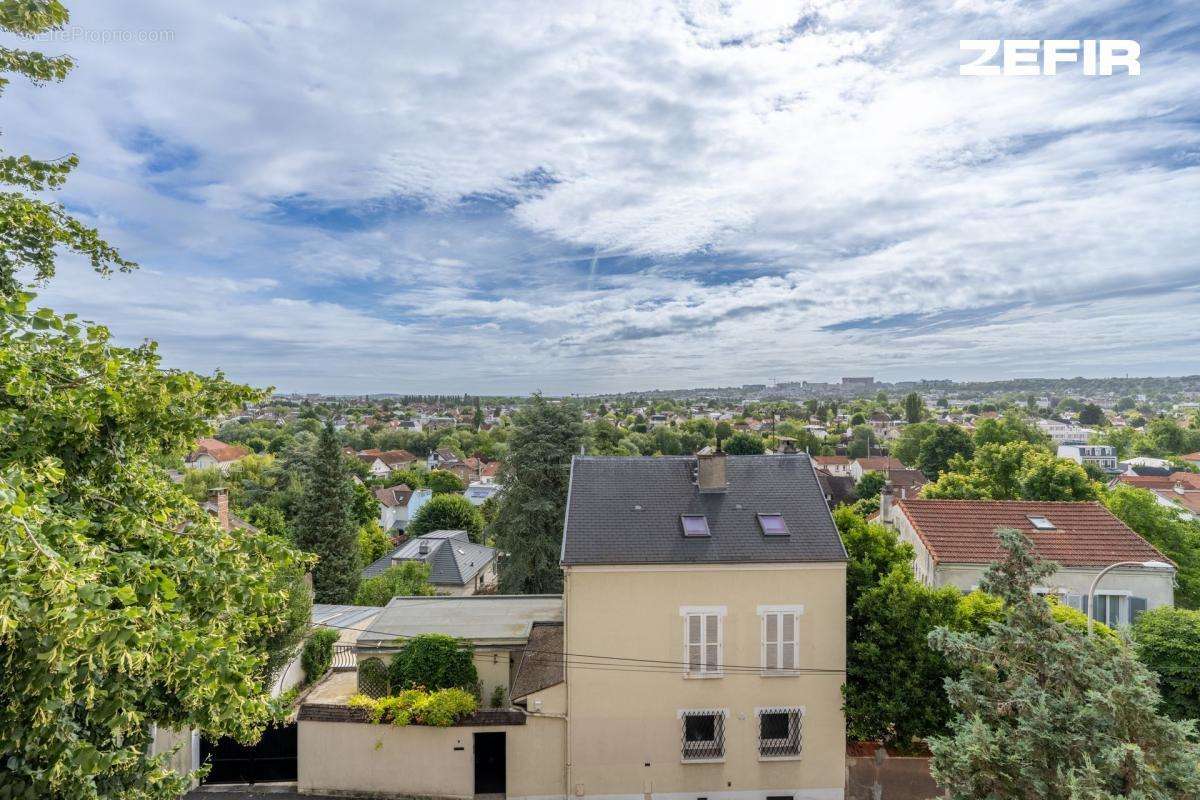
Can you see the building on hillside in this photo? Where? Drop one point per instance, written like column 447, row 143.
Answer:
column 1064, row 432
column 838, row 489
column 956, row 540
column 393, row 507
column 729, row 573
column 885, row 464
column 1101, row 456
column 215, row 453
column 480, row 492
column 834, row 465
column 442, row 458
column 457, row 566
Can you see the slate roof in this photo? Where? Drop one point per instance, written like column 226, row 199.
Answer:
column 541, row 663
column 838, row 489
column 454, row 560
column 1084, row 535
column 624, row 510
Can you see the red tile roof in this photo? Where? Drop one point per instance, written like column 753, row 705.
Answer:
column 1084, row 535
column 219, row 450
column 880, row 463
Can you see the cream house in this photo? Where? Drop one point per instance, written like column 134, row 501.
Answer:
column 705, row 630
column 955, row 541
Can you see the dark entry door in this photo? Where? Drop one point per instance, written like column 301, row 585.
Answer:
column 273, row 758
column 489, row 763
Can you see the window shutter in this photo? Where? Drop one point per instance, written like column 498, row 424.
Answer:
column 712, row 642
column 694, row 646
column 1137, row 605
column 787, row 641
column 771, row 641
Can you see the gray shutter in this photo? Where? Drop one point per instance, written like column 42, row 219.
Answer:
column 1136, row 606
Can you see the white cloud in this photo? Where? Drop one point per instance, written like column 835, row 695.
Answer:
column 482, row 196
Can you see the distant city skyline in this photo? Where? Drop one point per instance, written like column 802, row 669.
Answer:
column 424, row 198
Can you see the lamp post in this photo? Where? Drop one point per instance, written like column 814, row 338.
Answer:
column 1091, row 599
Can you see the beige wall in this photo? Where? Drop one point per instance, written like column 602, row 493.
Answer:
column 620, row 721
column 390, row 761
column 184, row 759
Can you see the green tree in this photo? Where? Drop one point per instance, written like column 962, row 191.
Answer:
column 443, row 481
column 326, row 526
column 1092, row 414
column 407, row 579
column 1168, row 642
column 744, row 443
column 1008, row 429
column 535, row 474
column 33, row 230
column 1045, row 477
column 936, row 450
column 1042, row 710
column 447, row 512
column 605, row 438
column 913, row 407
column 434, row 661
column 872, row 550
column 894, row 680
column 364, row 506
column 907, row 445
column 373, row 543
column 870, row 485
column 1176, row 538
column 267, row 519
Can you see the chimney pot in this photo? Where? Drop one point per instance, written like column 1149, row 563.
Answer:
column 710, row 472
column 220, row 497
column 885, row 504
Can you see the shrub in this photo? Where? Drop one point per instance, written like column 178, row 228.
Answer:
column 399, row 580
column 438, row 709
column 433, row 661
column 1168, row 642
column 318, row 654
column 498, row 697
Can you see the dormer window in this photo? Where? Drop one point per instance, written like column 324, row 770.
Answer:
column 695, row 525
column 1041, row 523
column 772, row 525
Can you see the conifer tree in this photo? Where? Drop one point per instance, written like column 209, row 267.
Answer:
column 326, row 525
column 1044, row 711
column 529, row 521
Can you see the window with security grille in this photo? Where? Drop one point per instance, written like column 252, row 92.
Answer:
column 703, row 735
column 780, row 648
column 702, row 632
column 779, row 732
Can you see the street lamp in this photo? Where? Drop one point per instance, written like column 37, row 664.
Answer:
column 1091, row 599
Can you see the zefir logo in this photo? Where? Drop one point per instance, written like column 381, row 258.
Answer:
column 1043, row 57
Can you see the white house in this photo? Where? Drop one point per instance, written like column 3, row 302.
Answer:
column 1102, row 456
column 215, row 453
column 1064, row 432
column 955, row 541
column 393, row 506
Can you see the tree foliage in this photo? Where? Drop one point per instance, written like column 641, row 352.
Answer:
column 870, row 485
column 1168, row 642
column 1042, row 710
column 443, row 481
column 1015, row 470
column 744, row 443
column 433, row 661
column 447, row 512
column 535, row 474
column 939, row 447
column 408, row 579
column 110, row 619
column 326, row 525
column 1177, row 538
column 317, row 656
column 913, row 408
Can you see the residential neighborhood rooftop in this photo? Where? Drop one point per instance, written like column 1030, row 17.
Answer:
column 624, row 510
column 1080, row 534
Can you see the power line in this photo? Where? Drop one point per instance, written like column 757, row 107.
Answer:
column 629, row 663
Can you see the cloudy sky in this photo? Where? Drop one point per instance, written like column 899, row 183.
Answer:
column 506, row 197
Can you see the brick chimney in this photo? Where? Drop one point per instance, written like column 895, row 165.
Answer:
column 710, row 471
column 220, row 498
column 885, row 504
column 787, row 445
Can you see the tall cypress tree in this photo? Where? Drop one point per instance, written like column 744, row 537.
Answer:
column 529, row 522
column 326, row 525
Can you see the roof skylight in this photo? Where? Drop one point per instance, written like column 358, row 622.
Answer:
column 1041, row 523
column 772, row 525
column 695, row 525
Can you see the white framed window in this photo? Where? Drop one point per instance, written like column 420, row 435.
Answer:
column 1111, row 609
column 703, row 734
column 703, row 644
column 780, row 733
column 780, row 639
